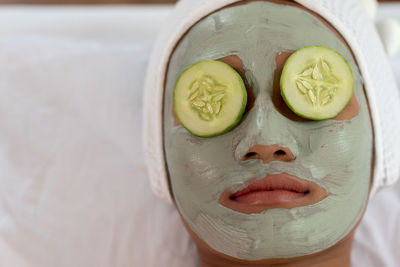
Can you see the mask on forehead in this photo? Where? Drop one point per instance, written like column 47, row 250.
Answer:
column 333, row 154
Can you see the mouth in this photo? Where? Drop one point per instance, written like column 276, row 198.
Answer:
column 273, row 191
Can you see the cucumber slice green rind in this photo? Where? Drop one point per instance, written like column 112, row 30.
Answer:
column 232, row 108
column 298, row 63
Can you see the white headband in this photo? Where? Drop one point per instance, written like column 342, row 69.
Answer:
column 349, row 18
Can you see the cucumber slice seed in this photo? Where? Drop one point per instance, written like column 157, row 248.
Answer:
column 207, row 101
column 316, row 83
column 209, row 98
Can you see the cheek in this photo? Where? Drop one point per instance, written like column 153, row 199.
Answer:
column 198, row 163
column 339, row 157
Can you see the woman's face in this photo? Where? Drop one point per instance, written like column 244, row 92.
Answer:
column 332, row 156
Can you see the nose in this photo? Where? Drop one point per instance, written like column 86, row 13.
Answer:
column 269, row 153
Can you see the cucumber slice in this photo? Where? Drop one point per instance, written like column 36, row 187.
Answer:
column 209, row 98
column 316, row 83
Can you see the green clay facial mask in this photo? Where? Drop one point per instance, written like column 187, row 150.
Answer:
column 335, row 154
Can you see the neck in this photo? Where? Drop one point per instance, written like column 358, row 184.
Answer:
column 337, row 255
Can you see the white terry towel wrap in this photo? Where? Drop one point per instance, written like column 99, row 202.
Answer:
column 353, row 23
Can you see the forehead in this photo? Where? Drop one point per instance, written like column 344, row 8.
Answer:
column 256, row 31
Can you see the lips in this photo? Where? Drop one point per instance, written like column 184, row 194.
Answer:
column 273, row 191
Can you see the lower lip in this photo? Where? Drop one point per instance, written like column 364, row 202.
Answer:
column 268, row 197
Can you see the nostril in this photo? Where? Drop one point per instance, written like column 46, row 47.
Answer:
column 269, row 153
column 250, row 155
column 279, row 153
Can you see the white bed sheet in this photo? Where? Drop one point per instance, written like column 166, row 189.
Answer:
column 74, row 189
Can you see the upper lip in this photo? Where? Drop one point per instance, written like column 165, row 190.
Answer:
column 274, row 182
